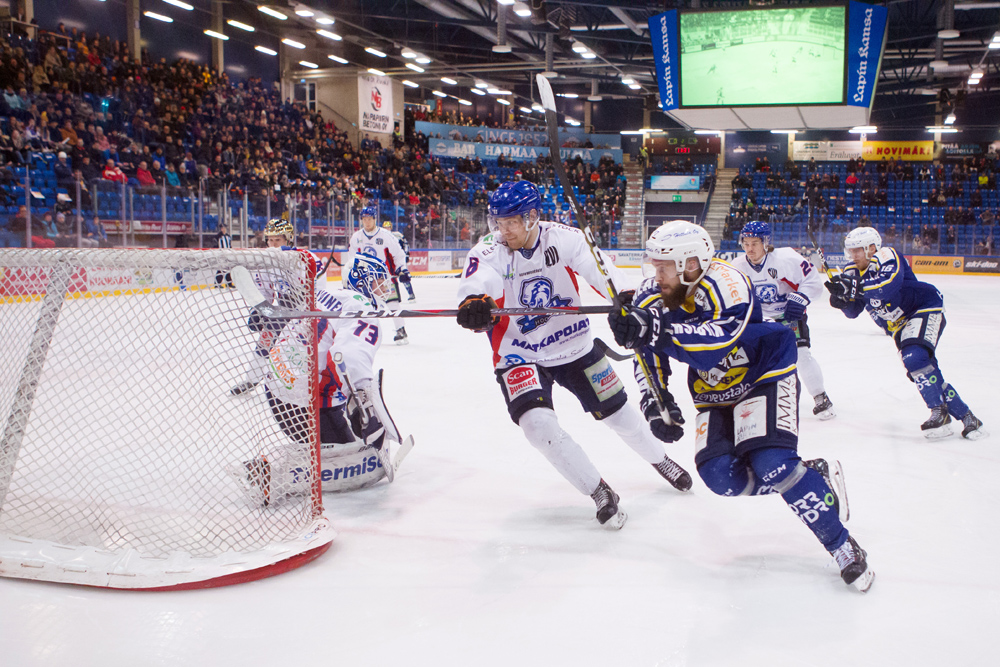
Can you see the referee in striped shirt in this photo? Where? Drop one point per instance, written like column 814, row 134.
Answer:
column 223, row 240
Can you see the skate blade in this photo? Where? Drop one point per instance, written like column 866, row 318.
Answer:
column 837, row 477
column 937, row 433
column 978, row 434
column 617, row 521
column 403, row 341
column 826, row 414
column 865, row 581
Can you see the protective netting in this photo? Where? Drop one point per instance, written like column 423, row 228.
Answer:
column 120, row 431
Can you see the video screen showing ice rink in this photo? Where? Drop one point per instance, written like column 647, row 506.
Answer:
column 774, row 56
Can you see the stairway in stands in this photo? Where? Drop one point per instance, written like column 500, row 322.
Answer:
column 718, row 208
column 631, row 235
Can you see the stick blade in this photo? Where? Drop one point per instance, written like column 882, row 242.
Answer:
column 246, row 286
column 545, row 92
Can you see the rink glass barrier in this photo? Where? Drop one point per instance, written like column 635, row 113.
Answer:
column 122, row 462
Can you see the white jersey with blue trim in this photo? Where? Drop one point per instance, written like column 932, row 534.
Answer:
column 276, row 288
column 544, row 276
column 357, row 339
column 381, row 244
column 782, row 272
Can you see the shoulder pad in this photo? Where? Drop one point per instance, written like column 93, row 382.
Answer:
column 647, row 294
column 732, row 284
column 885, row 255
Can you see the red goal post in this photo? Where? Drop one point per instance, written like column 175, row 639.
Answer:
column 122, row 454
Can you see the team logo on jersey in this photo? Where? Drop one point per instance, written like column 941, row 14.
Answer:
column 513, row 360
column 767, row 293
column 538, row 293
column 773, row 273
column 370, row 251
column 379, row 241
column 551, row 256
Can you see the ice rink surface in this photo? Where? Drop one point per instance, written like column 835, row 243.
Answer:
column 481, row 554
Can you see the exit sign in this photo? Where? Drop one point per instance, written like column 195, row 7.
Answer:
column 676, row 198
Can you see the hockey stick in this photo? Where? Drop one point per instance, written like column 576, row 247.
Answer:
column 611, row 353
column 382, row 452
column 248, row 289
column 817, row 247
column 552, row 127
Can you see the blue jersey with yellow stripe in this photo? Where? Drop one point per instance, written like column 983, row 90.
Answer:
column 891, row 293
column 722, row 336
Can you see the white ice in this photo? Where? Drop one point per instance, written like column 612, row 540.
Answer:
column 481, row 554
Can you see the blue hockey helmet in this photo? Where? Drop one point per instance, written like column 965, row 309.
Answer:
column 757, row 229
column 515, row 198
column 369, row 211
column 367, row 275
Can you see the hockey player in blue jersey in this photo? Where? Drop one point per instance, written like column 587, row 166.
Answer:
column 743, row 380
column 912, row 312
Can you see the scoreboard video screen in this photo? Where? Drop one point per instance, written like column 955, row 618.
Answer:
column 782, row 56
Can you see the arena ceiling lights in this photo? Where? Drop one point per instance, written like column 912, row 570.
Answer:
column 864, row 129
column 241, row 26
column 337, row 59
column 374, row 52
column 265, row 50
column 450, row 82
column 292, row 43
column 325, row 20
column 377, row 72
column 522, row 10
column 943, row 129
column 407, row 82
column 476, row 91
column 329, row 35
column 158, row 17
column 274, row 13
column 178, row 3
column 305, row 13
column 464, row 103
column 216, row 35
column 416, row 68
column 306, row 63
column 408, row 53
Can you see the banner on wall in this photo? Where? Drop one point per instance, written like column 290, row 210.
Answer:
column 675, row 182
column 568, row 137
column 743, row 149
column 917, row 151
column 375, row 104
column 830, row 151
column 467, row 149
column 935, row 264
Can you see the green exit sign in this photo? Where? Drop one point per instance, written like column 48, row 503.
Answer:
column 677, row 198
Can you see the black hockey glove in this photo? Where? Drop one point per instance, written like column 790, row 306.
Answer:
column 373, row 434
column 404, row 275
column 795, row 306
column 632, row 327
column 660, row 428
column 474, row 312
column 846, row 286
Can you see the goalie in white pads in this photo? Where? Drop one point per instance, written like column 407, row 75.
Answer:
column 785, row 284
column 533, row 263
column 379, row 242
column 354, row 450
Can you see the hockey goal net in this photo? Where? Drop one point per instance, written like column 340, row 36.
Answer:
column 122, row 460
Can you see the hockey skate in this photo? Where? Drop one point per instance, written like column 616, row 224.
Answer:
column 833, row 475
column 412, row 297
column 824, row 407
column 609, row 514
column 255, row 477
column 242, row 388
column 939, row 424
column 401, row 338
column 972, row 427
column 673, row 473
column 853, row 563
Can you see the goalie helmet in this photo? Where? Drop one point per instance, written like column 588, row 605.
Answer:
column 757, row 229
column 676, row 241
column 862, row 237
column 368, row 275
column 279, row 227
column 515, row 198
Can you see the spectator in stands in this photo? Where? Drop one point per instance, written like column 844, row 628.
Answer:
column 94, row 234
column 63, row 171
column 43, row 231
column 65, row 232
column 113, row 173
column 14, row 234
column 144, row 177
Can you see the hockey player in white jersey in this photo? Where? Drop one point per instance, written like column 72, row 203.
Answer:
column 785, row 284
column 378, row 242
column 353, row 454
column 279, row 234
column 533, row 263
column 404, row 273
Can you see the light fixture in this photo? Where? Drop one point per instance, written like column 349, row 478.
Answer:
column 423, row 60
column 407, row 52
column 415, row 68
column 264, row 49
column 713, row 133
column 178, row 3
column 594, row 98
column 329, row 35
column 493, row 90
column 994, row 45
column 337, row 59
column 538, row 107
column 158, row 17
column 506, row 2
column 216, row 35
column 548, row 74
column 501, row 48
column 377, row 72
column 504, row 102
column 505, row 92
column 976, row 74
column 627, row 80
column 241, row 26
column 950, row 119
column 864, row 129
column 264, row 9
column 783, row 131
column 304, row 12
column 450, row 82
column 524, row 109
column 572, row 121
column 948, row 34
column 325, row 20
column 407, row 82
column 634, row 86
column 439, row 93
column 973, row 81
column 292, row 43
column 476, row 91
column 464, row 103
column 942, row 129
column 374, row 51
column 589, row 55
column 306, row 63
column 522, row 10
column 579, row 47
column 481, row 84
column 938, row 64
column 635, row 132
column 569, row 96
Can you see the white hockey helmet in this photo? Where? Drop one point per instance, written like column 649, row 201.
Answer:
column 678, row 240
column 862, row 237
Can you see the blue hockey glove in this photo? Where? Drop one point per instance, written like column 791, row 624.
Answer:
column 632, row 327
column 661, row 429
column 404, row 275
column 795, row 306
